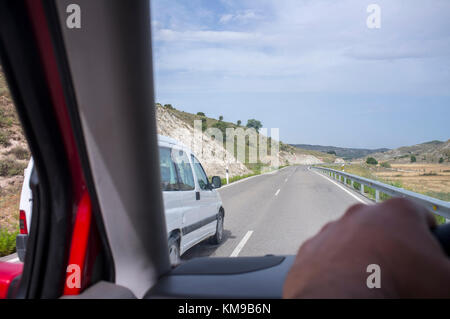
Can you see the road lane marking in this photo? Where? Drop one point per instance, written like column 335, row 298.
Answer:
column 278, row 191
column 241, row 245
column 251, row 177
column 285, row 180
column 342, row 187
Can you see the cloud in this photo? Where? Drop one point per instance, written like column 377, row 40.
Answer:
column 298, row 46
column 215, row 37
column 240, row 17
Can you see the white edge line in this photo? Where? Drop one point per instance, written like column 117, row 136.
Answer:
column 249, row 178
column 342, row 187
column 278, row 191
column 241, row 245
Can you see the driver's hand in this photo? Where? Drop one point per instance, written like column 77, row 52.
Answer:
column 394, row 235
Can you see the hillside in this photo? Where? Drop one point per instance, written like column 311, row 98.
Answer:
column 179, row 125
column 14, row 156
column 345, row 153
column 429, row 152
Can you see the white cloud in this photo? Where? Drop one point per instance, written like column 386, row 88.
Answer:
column 225, row 18
column 240, row 17
column 311, row 46
column 217, row 37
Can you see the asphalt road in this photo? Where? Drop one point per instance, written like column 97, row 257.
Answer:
column 275, row 213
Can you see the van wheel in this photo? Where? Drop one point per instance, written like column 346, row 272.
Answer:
column 218, row 236
column 174, row 252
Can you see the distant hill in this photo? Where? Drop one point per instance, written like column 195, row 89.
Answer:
column 346, row 153
column 429, row 152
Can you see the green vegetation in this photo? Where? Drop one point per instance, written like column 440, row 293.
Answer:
column 236, row 178
column 252, row 123
column 169, row 106
column 441, row 160
column 332, row 152
column 201, row 114
column 221, row 118
column 371, row 161
column 413, row 159
column 385, row 165
column 4, row 138
column 10, row 167
column 7, row 242
column 239, row 122
column 19, row 152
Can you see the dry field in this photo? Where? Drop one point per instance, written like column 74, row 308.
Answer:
column 421, row 178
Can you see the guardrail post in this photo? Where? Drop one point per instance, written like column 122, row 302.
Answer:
column 362, row 189
column 377, row 195
column 351, row 181
column 345, row 180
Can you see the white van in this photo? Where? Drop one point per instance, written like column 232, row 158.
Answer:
column 193, row 208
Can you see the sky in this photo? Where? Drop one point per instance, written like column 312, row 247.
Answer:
column 311, row 68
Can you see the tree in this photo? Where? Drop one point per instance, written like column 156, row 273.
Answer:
column 169, row 106
column 371, row 161
column 441, row 160
column 221, row 118
column 201, row 114
column 413, row 159
column 252, row 123
column 332, row 152
column 239, row 122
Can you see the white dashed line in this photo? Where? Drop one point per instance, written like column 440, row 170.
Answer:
column 241, row 245
column 278, row 191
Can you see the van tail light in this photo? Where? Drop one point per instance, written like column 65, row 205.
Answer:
column 23, row 223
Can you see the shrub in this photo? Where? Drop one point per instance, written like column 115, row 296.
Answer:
column 4, row 138
column 9, row 167
column 20, row 153
column 221, row 118
column 7, row 242
column 169, row 106
column 371, row 161
column 386, row 165
column 441, row 160
column 413, row 159
column 239, row 122
column 201, row 114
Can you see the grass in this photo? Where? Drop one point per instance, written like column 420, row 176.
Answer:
column 239, row 177
column 7, row 242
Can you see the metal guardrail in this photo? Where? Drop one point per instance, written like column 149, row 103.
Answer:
column 437, row 206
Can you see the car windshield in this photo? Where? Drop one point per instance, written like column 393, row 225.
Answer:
column 285, row 101
column 274, row 117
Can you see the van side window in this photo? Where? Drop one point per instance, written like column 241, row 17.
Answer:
column 169, row 180
column 184, row 170
column 200, row 173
